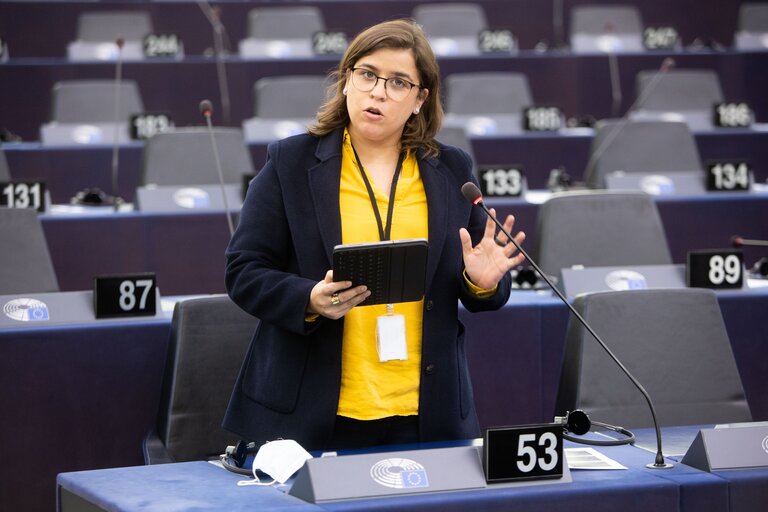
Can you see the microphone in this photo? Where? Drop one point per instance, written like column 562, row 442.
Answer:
column 213, row 15
column 206, row 109
column 667, row 64
column 116, row 200
column 738, row 241
column 474, row 196
column 557, row 23
column 613, row 72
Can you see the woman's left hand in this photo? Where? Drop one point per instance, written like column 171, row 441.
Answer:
column 494, row 256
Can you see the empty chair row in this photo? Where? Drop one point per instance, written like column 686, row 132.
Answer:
column 484, row 103
column 461, row 28
column 673, row 341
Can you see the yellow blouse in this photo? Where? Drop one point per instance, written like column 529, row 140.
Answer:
column 371, row 389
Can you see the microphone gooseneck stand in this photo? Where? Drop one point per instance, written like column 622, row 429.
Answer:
column 474, row 196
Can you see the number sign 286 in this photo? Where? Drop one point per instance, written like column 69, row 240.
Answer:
column 125, row 295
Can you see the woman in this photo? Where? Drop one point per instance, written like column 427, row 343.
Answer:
column 312, row 372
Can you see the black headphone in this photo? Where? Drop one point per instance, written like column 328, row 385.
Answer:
column 760, row 268
column 527, row 278
column 579, row 423
column 234, row 457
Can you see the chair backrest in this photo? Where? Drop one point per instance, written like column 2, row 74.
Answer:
column 446, row 20
column 675, row 344
column 25, row 263
column 285, row 22
column 494, row 92
column 599, row 228
column 752, row 29
column 606, row 28
column 689, row 92
column 93, row 101
column 185, row 156
column 457, row 136
column 108, row 26
column 642, row 146
column 209, row 338
column 5, row 173
column 298, row 96
column 753, row 17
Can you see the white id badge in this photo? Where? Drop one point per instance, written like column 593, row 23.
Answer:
column 390, row 338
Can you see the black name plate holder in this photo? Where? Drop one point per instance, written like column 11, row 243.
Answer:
column 738, row 446
column 23, row 194
column 125, row 295
column 521, row 453
column 716, row 268
column 501, row 180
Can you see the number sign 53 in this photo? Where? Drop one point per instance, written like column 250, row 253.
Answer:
column 526, row 452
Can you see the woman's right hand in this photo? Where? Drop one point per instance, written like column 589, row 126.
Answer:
column 334, row 299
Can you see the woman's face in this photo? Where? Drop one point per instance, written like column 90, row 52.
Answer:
column 374, row 115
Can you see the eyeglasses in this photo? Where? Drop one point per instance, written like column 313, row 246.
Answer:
column 397, row 88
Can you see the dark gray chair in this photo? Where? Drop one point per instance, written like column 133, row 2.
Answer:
column 276, row 32
column 185, row 156
column 642, row 146
column 675, row 344
column 752, row 28
column 25, row 263
column 98, row 32
column 5, row 173
column 457, row 136
column 107, row 26
column 452, row 28
column 599, row 228
column 606, row 28
column 93, row 101
column 487, row 103
column 687, row 94
column 292, row 96
column 209, row 338
column 492, row 92
column 285, row 22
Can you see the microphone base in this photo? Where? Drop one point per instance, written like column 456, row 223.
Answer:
column 665, row 465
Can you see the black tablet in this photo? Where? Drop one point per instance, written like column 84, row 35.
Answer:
column 394, row 270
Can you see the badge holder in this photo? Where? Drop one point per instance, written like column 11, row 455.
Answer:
column 390, row 336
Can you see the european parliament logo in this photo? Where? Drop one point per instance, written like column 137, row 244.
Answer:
column 26, row 310
column 399, row 474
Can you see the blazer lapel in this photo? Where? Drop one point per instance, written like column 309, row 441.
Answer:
column 324, row 180
column 436, row 189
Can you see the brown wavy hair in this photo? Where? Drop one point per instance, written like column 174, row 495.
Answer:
column 420, row 130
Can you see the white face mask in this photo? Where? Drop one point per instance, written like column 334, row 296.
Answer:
column 280, row 459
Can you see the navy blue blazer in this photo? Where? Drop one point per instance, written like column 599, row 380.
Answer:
column 288, row 386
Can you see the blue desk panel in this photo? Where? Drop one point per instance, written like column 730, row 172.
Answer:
column 199, row 485
column 84, row 396
column 69, row 169
column 580, row 85
column 74, row 397
column 186, row 251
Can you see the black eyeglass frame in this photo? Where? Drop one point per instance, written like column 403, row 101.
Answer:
column 352, row 73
